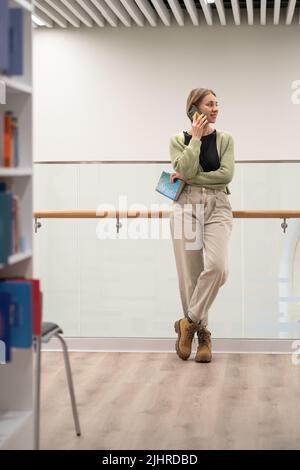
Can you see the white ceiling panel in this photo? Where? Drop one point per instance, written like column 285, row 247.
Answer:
column 132, row 13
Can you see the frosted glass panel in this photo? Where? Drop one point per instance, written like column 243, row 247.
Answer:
column 127, row 286
column 123, row 287
column 57, row 266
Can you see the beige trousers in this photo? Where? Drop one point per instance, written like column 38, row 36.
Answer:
column 200, row 225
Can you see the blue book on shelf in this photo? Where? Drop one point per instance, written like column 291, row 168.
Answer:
column 168, row 189
column 5, row 305
column 4, row 28
column 21, row 313
column 5, row 225
column 15, row 66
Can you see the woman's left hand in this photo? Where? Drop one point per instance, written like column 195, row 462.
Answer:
column 178, row 176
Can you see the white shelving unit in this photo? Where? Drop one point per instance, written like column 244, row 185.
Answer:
column 16, row 377
column 16, row 258
column 16, row 86
column 24, row 4
column 15, row 172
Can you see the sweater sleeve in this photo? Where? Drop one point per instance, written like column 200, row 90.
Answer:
column 225, row 172
column 185, row 160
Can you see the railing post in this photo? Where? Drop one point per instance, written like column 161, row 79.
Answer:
column 284, row 225
column 37, row 224
column 118, row 224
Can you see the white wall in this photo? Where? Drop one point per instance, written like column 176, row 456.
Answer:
column 120, row 93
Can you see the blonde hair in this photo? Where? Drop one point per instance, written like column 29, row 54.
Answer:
column 196, row 96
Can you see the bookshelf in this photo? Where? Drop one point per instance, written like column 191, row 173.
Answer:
column 16, row 377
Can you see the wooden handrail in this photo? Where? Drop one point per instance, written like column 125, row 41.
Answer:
column 81, row 214
column 160, row 214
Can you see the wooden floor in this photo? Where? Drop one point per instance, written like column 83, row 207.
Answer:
column 157, row 401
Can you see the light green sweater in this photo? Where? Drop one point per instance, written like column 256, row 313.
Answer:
column 185, row 160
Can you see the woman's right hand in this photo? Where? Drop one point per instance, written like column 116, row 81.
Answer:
column 175, row 176
column 198, row 126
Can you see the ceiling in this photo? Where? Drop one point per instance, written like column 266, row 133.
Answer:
column 107, row 13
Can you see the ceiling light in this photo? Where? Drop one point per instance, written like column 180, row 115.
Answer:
column 37, row 21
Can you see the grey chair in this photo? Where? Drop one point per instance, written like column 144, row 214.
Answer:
column 48, row 331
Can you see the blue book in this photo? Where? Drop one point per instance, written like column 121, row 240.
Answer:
column 5, row 226
column 15, row 66
column 5, row 305
column 4, row 28
column 21, row 314
column 168, row 189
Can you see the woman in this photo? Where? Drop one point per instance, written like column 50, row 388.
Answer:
column 204, row 158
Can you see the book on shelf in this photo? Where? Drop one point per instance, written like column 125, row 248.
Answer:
column 15, row 66
column 5, row 225
column 20, row 313
column 4, row 35
column 10, row 146
column 15, row 143
column 36, row 300
column 11, row 39
column 5, row 346
column 10, row 224
column 16, row 226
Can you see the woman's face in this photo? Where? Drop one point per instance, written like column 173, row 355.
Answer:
column 209, row 106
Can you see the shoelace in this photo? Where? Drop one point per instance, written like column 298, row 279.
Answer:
column 190, row 333
column 204, row 337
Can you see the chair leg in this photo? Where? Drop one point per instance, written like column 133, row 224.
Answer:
column 37, row 392
column 70, row 383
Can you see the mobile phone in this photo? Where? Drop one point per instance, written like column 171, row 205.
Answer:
column 194, row 112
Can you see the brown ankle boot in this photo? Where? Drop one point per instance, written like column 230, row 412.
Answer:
column 186, row 332
column 203, row 353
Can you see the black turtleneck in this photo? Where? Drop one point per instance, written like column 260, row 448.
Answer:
column 208, row 158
